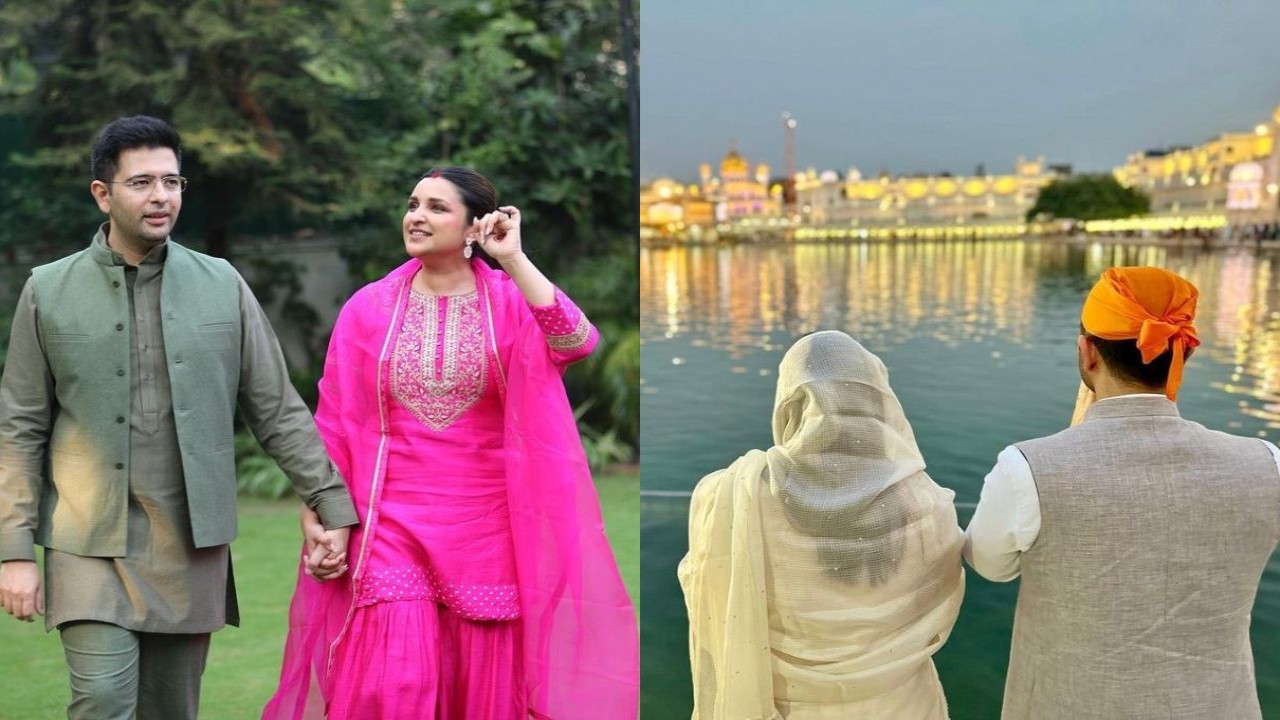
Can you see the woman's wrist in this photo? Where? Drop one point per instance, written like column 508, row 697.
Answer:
column 535, row 286
column 514, row 263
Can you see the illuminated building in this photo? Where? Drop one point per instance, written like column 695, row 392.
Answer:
column 1235, row 174
column 737, row 192
column 825, row 199
column 670, row 209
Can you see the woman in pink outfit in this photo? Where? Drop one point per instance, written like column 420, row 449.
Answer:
column 481, row 585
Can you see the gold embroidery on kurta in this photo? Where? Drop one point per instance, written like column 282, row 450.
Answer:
column 439, row 396
column 574, row 340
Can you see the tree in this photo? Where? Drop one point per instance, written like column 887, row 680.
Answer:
column 530, row 92
column 267, row 135
column 1088, row 197
column 321, row 116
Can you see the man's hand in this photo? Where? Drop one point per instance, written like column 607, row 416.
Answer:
column 21, row 593
column 326, row 549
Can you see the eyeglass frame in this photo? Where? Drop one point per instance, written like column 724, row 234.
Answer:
column 151, row 183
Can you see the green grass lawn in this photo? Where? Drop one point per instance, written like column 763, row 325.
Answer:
column 245, row 662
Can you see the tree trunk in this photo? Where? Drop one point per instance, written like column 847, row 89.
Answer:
column 216, row 239
column 629, row 55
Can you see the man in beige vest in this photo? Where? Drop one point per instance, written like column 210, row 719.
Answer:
column 125, row 366
column 1140, row 537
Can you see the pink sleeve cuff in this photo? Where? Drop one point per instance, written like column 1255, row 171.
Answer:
column 566, row 327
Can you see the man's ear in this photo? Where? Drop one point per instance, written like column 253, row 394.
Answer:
column 1089, row 356
column 101, row 194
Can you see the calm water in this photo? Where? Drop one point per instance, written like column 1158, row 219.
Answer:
column 980, row 343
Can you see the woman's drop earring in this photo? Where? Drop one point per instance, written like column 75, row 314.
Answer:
column 466, row 250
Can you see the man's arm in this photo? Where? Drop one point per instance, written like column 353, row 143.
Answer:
column 26, row 402
column 282, row 422
column 1007, row 520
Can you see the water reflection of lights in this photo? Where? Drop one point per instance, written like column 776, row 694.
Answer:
column 1247, row 322
column 758, row 298
column 883, row 293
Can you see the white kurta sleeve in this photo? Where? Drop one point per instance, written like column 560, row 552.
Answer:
column 1006, row 522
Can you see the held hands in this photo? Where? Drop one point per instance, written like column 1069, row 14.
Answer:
column 498, row 233
column 326, row 550
column 21, row 593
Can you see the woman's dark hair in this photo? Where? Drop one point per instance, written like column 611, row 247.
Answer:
column 128, row 133
column 1125, row 360
column 477, row 192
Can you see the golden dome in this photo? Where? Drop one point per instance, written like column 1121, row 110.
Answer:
column 733, row 163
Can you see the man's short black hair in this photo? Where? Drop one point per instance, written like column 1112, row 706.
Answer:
column 1125, row 360
column 128, row 133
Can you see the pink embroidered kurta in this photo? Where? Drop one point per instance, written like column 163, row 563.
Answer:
column 445, row 533
column 445, row 413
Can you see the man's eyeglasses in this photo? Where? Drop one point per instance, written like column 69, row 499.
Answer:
column 146, row 183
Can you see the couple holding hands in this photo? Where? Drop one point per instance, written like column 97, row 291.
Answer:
column 455, row 563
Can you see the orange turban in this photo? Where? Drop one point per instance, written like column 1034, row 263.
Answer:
column 1147, row 304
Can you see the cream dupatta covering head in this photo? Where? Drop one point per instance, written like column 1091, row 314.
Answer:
column 823, row 573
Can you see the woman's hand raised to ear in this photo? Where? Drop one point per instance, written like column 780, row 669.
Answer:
column 498, row 233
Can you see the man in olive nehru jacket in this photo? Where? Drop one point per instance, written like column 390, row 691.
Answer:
column 1140, row 537
column 125, row 366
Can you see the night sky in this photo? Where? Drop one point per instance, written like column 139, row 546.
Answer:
column 912, row 86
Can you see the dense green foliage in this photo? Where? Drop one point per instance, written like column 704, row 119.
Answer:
column 318, row 118
column 1088, row 197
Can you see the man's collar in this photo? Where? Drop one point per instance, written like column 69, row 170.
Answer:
column 1134, row 405
column 104, row 254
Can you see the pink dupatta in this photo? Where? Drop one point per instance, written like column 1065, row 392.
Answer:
column 580, row 645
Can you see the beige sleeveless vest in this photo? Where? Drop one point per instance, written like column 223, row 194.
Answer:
column 1136, row 596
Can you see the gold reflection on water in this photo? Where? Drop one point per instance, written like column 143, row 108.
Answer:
column 760, row 298
column 878, row 292
column 1247, row 319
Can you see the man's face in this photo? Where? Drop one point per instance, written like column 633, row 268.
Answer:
column 143, row 218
